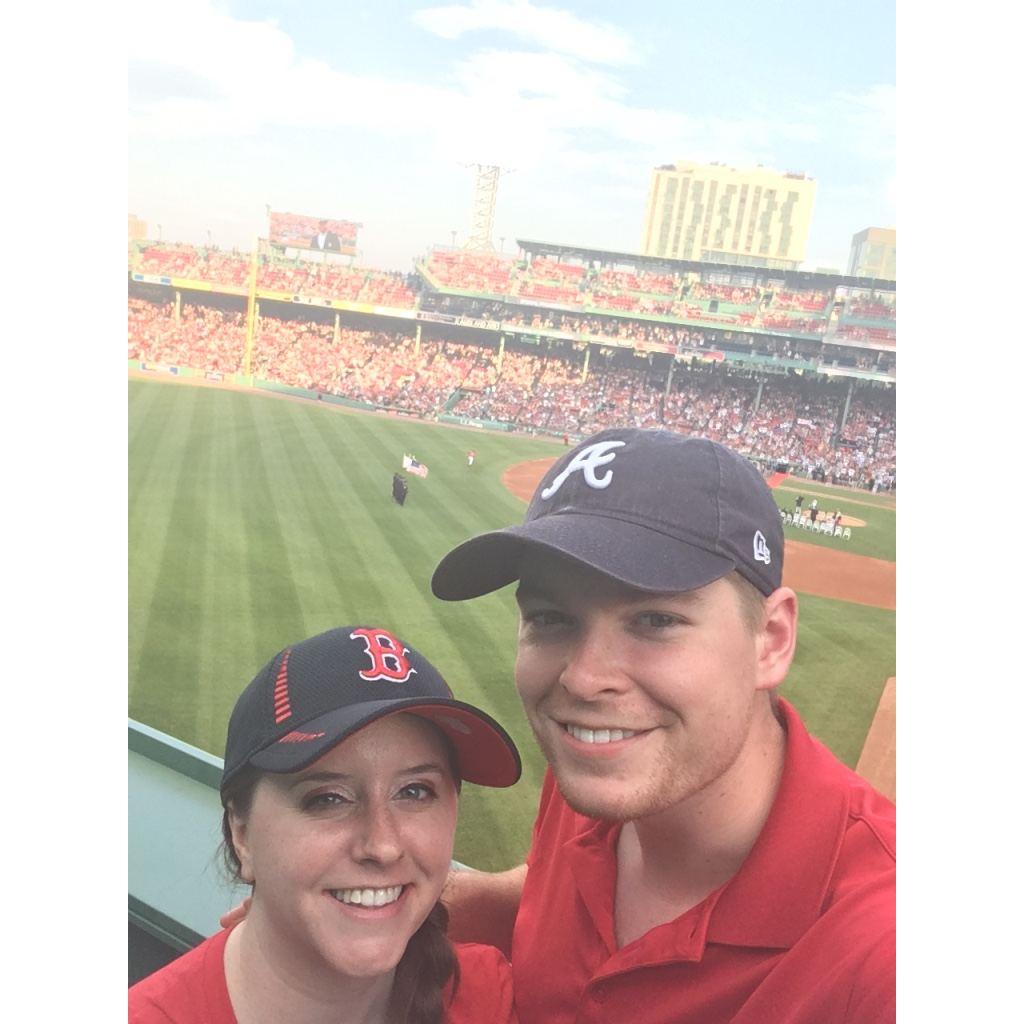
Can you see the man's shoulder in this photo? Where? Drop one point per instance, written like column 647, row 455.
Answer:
column 485, row 986
column 475, row 955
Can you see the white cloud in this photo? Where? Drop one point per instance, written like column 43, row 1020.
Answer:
column 223, row 76
column 549, row 27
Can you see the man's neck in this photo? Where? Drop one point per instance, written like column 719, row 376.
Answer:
column 266, row 985
column 671, row 861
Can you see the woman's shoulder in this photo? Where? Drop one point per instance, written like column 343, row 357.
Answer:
column 190, row 988
column 485, row 986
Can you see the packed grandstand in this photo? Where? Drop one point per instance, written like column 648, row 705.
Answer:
column 794, row 369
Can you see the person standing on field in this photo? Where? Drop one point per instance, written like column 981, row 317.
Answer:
column 697, row 855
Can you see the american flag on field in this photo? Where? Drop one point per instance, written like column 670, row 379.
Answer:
column 414, row 466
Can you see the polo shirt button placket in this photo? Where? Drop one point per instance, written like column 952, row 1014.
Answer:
column 595, row 996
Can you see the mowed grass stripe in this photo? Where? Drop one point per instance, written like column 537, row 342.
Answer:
column 157, row 463
column 230, row 651
column 273, row 603
column 169, row 658
column 155, row 457
column 347, row 541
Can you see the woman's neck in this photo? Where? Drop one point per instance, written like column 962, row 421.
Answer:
column 268, row 985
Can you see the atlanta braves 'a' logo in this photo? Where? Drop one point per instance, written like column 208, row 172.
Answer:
column 588, row 459
column 387, row 655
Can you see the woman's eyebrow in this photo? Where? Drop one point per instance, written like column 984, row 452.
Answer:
column 320, row 777
column 315, row 777
column 430, row 766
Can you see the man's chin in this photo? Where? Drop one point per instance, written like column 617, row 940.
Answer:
column 599, row 798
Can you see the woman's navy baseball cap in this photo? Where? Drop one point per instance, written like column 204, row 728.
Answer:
column 653, row 509
column 312, row 695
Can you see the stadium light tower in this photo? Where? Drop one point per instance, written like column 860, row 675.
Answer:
column 485, row 196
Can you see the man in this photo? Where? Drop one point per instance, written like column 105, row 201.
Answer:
column 697, row 856
column 399, row 488
column 325, row 239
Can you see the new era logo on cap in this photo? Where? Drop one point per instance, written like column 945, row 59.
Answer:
column 762, row 553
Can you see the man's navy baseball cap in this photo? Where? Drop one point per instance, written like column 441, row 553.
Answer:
column 313, row 695
column 653, row 509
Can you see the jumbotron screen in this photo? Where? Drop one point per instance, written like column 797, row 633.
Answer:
column 304, row 231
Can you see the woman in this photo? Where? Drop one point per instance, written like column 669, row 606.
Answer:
column 342, row 770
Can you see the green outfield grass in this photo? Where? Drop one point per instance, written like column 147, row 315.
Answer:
column 256, row 521
column 845, row 654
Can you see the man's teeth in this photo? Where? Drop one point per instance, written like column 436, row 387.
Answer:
column 599, row 735
column 368, row 897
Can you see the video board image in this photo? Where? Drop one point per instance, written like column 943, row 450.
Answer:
column 305, row 231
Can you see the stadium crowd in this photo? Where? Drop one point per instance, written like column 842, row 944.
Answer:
column 778, row 419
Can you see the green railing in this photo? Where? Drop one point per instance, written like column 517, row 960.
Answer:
column 177, row 889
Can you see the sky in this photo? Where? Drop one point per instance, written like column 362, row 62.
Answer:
column 378, row 112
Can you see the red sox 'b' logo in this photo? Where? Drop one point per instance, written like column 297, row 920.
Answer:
column 387, row 655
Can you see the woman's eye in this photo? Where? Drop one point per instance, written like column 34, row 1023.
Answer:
column 324, row 801
column 418, row 791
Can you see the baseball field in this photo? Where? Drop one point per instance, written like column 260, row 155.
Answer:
column 256, row 520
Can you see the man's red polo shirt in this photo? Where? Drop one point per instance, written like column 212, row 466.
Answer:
column 804, row 933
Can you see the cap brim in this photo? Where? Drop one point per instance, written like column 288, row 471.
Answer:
column 487, row 755
column 633, row 554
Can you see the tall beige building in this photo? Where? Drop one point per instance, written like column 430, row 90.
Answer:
column 712, row 212
column 873, row 254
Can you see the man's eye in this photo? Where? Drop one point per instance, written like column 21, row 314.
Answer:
column 658, row 620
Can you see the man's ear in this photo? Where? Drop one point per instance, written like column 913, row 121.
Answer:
column 776, row 641
column 240, row 841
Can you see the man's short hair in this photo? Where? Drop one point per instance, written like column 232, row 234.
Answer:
column 751, row 601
